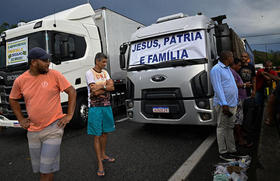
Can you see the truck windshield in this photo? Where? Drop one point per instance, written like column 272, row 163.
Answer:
column 14, row 52
column 184, row 48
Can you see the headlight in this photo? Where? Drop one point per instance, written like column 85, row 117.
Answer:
column 205, row 116
column 130, row 114
column 129, row 104
column 203, row 103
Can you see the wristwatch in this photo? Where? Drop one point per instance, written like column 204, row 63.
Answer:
column 244, row 86
column 104, row 86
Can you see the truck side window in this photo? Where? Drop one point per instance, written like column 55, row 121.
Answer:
column 68, row 47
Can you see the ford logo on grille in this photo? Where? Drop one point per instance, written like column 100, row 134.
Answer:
column 158, row 78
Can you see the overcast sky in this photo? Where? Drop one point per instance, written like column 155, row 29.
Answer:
column 246, row 17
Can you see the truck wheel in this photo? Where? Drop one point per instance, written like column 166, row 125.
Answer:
column 81, row 112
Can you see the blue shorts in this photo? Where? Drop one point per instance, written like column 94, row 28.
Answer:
column 100, row 120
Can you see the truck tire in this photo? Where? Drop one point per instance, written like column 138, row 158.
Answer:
column 81, row 112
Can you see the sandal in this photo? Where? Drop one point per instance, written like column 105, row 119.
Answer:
column 110, row 160
column 248, row 145
column 268, row 122
column 242, row 141
column 100, row 173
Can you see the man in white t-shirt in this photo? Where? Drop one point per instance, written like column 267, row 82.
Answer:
column 100, row 115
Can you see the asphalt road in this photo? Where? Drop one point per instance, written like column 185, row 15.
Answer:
column 142, row 152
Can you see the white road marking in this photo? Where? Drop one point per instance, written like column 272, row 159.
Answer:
column 121, row 120
column 183, row 172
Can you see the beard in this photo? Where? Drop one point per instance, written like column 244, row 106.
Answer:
column 42, row 70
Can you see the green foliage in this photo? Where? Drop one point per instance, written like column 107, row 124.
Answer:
column 4, row 26
column 273, row 56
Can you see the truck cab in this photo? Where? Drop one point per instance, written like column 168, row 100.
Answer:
column 72, row 37
column 168, row 69
column 67, row 39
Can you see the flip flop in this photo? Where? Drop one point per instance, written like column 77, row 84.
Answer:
column 100, row 173
column 268, row 122
column 110, row 160
column 248, row 145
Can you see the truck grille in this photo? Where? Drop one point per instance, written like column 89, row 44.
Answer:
column 5, row 89
column 163, row 97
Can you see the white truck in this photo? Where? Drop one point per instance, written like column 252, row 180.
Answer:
column 168, row 68
column 73, row 37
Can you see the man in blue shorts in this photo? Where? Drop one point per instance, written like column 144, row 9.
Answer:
column 100, row 116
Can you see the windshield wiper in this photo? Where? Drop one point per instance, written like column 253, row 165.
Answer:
column 186, row 62
column 143, row 66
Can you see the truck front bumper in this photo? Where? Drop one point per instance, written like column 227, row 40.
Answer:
column 5, row 122
column 191, row 115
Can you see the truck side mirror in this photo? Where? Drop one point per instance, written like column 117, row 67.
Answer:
column 123, row 49
column 223, row 39
column 56, row 60
column 122, row 61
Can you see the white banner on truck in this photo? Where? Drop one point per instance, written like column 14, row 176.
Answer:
column 180, row 46
column 17, row 51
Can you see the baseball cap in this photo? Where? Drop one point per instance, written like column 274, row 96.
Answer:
column 38, row 53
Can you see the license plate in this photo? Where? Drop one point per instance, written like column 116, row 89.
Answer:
column 160, row 109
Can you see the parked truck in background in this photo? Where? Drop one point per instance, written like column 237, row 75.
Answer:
column 168, row 68
column 72, row 37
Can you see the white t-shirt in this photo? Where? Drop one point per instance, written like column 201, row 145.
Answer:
column 93, row 77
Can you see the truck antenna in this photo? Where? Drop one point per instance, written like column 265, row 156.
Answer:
column 54, row 21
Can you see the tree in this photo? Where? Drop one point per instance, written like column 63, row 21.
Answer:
column 5, row 26
column 273, row 56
